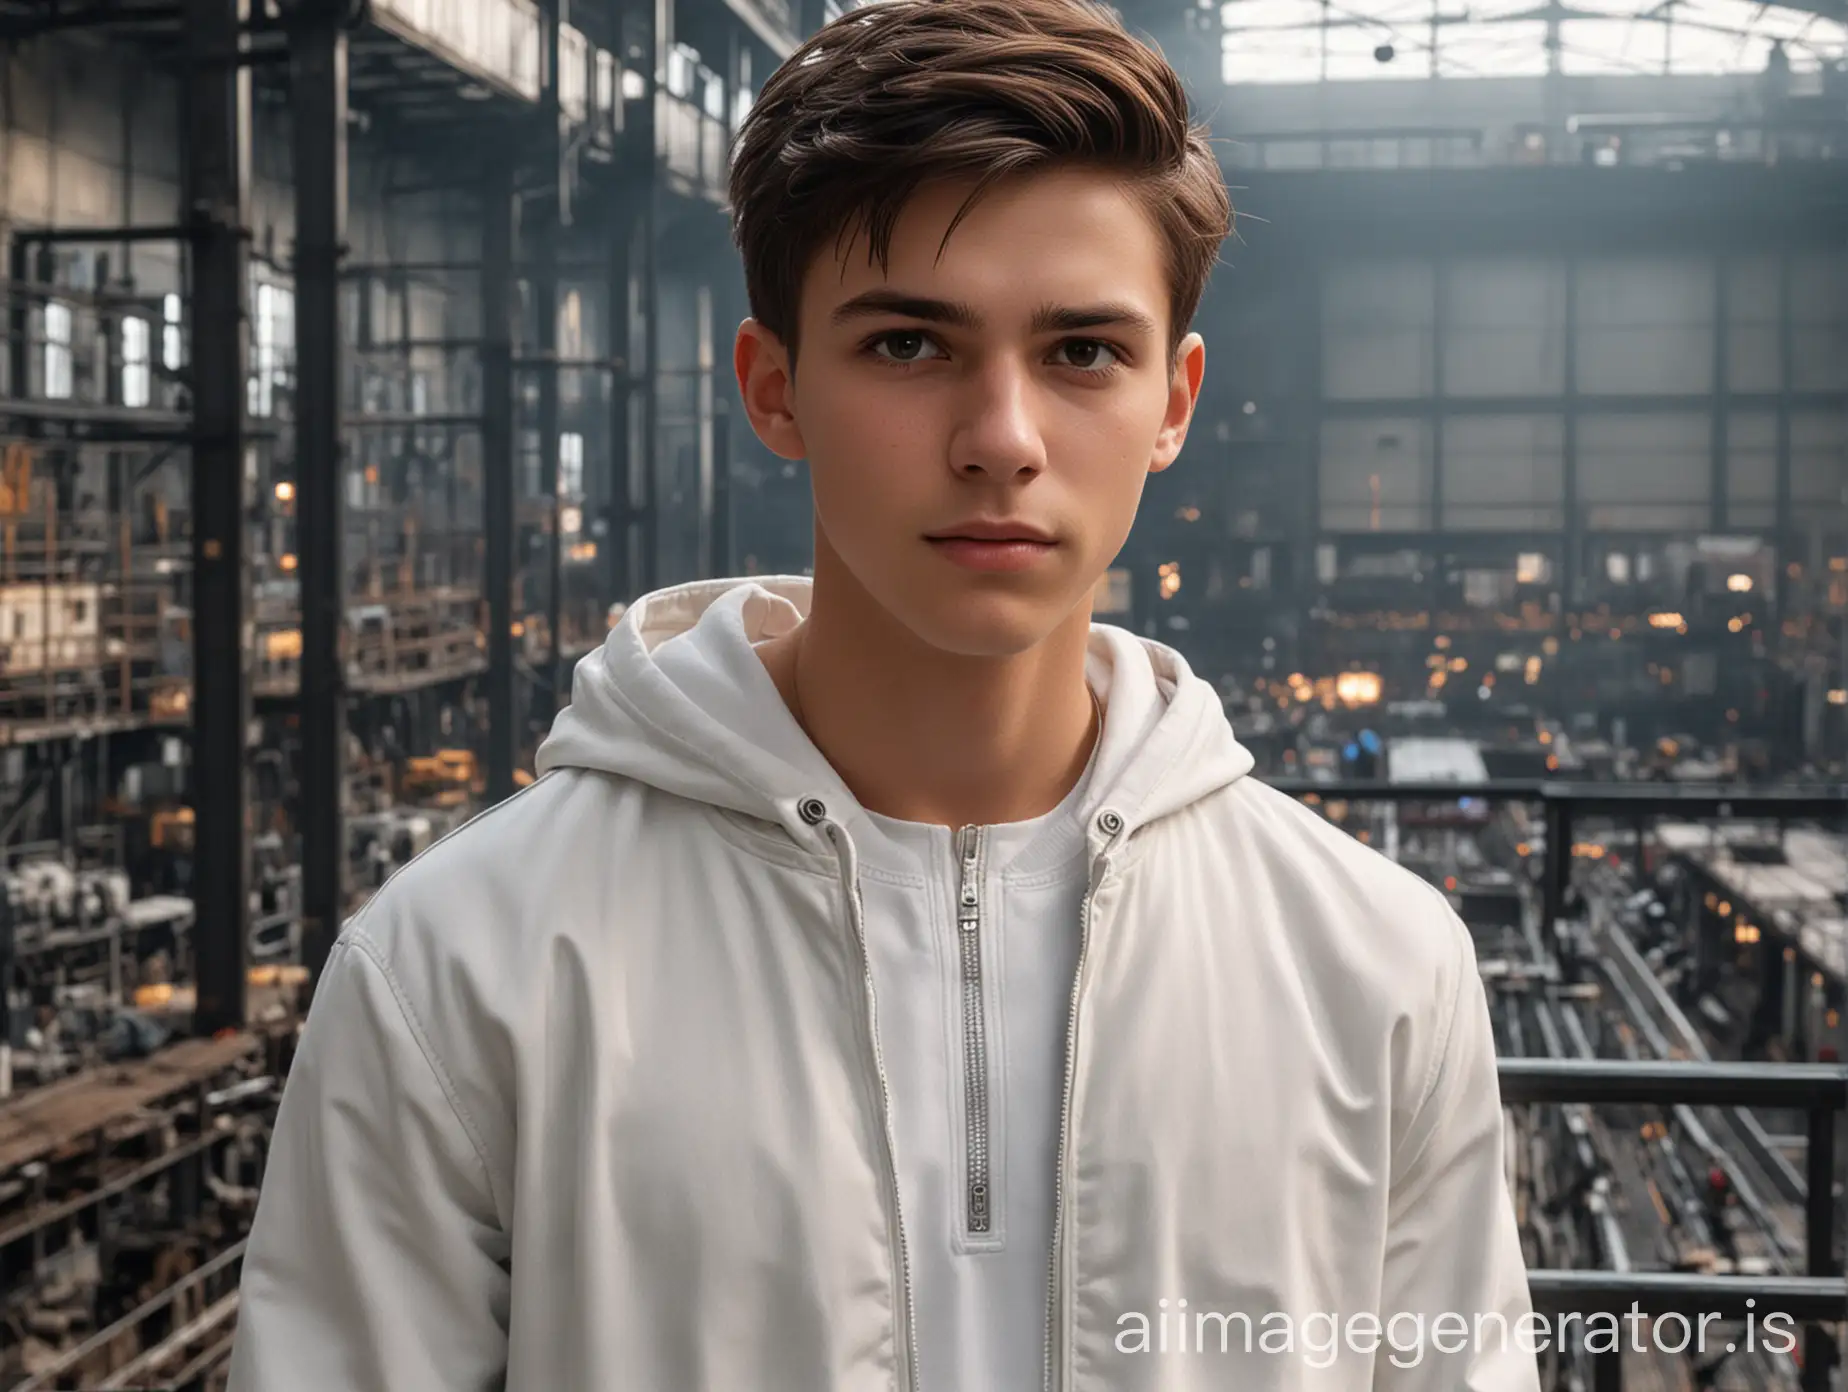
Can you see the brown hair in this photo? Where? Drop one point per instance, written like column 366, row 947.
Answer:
column 906, row 91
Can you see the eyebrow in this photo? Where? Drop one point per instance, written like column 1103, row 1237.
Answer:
column 1047, row 318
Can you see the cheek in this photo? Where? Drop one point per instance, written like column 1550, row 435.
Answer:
column 869, row 474
column 1105, row 453
column 849, row 415
column 871, row 452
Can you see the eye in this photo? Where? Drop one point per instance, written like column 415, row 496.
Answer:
column 907, row 345
column 1088, row 354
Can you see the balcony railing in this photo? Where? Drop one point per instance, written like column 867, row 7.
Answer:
column 1815, row 1299
column 499, row 41
column 1566, row 803
column 1641, row 140
column 692, row 144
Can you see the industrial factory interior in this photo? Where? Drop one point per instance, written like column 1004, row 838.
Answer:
column 365, row 359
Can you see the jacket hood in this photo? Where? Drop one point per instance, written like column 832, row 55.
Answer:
column 676, row 698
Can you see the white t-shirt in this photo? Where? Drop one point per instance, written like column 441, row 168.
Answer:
column 979, row 1270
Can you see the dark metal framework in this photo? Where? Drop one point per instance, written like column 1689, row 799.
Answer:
column 500, row 215
column 318, row 75
column 1302, row 219
column 217, row 127
column 1564, row 803
column 1817, row 1298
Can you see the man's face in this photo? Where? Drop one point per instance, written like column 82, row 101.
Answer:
column 979, row 426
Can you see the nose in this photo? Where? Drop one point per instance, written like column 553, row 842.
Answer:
column 998, row 434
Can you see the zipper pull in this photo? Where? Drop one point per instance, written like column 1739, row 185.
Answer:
column 967, row 896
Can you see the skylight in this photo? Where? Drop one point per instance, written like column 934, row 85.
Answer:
column 1279, row 41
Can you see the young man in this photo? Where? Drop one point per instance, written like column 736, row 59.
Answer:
column 894, row 980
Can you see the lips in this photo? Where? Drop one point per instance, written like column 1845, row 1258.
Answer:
column 1022, row 532
column 993, row 545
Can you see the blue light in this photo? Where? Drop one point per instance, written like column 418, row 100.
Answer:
column 1369, row 741
column 1351, row 753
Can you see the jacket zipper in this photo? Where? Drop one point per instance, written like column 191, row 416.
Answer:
column 908, row 1376
column 1055, row 1352
column 978, row 1193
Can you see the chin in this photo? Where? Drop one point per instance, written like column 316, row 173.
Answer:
column 984, row 625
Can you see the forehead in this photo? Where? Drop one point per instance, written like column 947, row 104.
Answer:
column 1062, row 237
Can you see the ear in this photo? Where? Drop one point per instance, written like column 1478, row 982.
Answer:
column 767, row 387
column 1183, row 394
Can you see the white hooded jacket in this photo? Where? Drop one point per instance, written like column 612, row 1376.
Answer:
column 591, row 1095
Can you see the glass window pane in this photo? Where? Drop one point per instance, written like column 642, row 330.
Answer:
column 1394, row 12
column 1351, row 54
column 1611, row 46
column 1272, row 14
column 1281, row 56
column 1696, row 50
column 1513, row 48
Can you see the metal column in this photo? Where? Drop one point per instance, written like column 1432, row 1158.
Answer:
column 540, row 250
column 650, row 462
column 1558, row 865
column 1819, row 1350
column 499, row 213
column 1719, row 440
column 1572, row 540
column 619, row 576
column 217, row 163
column 318, row 106
column 648, row 184
column 1784, row 544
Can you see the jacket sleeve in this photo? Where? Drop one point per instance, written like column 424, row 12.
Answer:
column 375, row 1262
column 1455, row 1278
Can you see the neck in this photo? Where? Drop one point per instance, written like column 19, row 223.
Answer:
column 921, row 735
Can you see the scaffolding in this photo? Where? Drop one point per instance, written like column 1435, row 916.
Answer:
column 90, row 633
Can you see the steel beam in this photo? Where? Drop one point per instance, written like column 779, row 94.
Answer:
column 19, row 319
column 1827, row 802
column 1664, row 1292
column 540, row 240
column 78, row 236
column 650, row 462
column 216, row 105
column 1720, row 443
column 619, row 501
column 1572, row 558
column 499, row 219
column 318, row 107
column 1642, row 404
column 1558, row 868
column 1781, row 525
column 1440, row 310
column 1306, row 423
column 1672, row 1082
column 1820, row 1351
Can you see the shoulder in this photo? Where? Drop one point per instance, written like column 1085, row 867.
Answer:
column 479, row 894
column 466, row 934
column 1333, row 875
column 1389, row 963
column 1371, row 936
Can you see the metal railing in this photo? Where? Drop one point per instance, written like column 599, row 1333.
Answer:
column 1566, row 804
column 1817, row 1298
column 692, row 144
column 1631, row 140
column 498, row 40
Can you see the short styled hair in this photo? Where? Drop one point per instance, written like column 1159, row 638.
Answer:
column 903, row 92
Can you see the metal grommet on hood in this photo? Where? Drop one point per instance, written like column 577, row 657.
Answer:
column 812, row 810
column 1109, row 822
